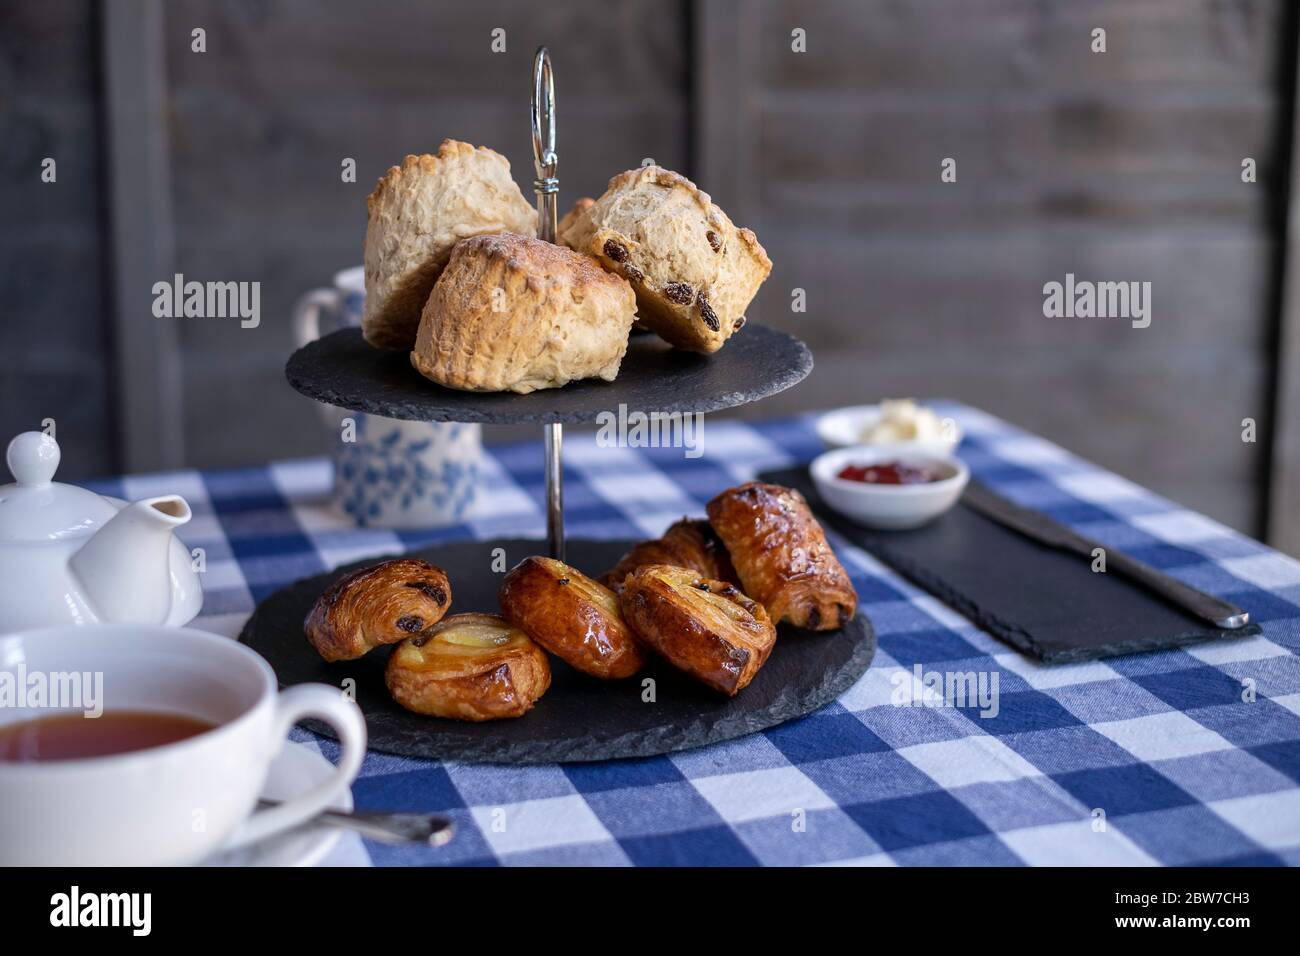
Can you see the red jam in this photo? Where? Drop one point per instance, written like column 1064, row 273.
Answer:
column 893, row 473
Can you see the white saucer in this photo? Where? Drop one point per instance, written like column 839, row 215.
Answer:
column 297, row 769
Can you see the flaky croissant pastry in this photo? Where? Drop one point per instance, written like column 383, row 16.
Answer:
column 468, row 667
column 688, row 543
column 575, row 618
column 708, row 629
column 782, row 557
column 381, row 604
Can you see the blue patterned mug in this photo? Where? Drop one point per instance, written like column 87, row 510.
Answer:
column 390, row 473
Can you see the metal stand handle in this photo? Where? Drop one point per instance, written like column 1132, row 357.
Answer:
column 546, row 186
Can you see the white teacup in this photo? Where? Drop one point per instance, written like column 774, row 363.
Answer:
column 170, row 804
column 390, row 473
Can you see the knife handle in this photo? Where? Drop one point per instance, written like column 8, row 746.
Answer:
column 1205, row 606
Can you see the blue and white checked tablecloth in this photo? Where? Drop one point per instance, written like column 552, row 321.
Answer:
column 1185, row 769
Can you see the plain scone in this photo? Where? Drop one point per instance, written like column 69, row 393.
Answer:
column 693, row 270
column 417, row 213
column 516, row 314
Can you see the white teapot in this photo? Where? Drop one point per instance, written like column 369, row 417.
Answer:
column 68, row 555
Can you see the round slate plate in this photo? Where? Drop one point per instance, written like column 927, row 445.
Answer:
column 580, row 718
column 342, row 370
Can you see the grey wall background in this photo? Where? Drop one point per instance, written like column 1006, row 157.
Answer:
column 1123, row 165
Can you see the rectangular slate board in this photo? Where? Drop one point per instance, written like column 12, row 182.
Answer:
column 1046, row 603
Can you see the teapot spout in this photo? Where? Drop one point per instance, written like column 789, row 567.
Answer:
column 124, row 568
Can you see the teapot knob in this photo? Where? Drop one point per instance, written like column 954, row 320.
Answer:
column 33, row 457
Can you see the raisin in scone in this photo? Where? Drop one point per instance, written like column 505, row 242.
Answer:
column 418, row 211
column 512, row 314
column 694, row 272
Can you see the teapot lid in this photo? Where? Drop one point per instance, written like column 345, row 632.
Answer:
column 37, row 508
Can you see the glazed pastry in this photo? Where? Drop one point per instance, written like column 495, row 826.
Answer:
column 572, row 616
column 708, row 629
column 468, row 667
column 694, row 272
column 417, row 213
column 782, row 557
column 381, row 604
column 688, row 543
column 516, row 314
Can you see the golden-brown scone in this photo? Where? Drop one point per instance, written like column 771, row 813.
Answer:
column 516, row 314
column 688, row 543
column 469, row 667
column 782, row 556
column 694, row 271
column 381, row 604
column 569, row 222
column 571, row 217
column 708, row 629
column 572, row 616
column 417, row 213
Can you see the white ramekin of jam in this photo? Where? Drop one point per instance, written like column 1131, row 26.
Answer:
column 891, row 487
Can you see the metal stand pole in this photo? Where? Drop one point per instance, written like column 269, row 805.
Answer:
column 546, row 186
column 554, row 490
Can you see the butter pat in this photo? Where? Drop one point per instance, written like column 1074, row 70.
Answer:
column 903, row 420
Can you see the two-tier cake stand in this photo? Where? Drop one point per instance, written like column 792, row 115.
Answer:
column 575, row 720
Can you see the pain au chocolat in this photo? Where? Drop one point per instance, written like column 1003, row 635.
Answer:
column 782, row 557
column 689, row 543
column 694, row 271
column 575, row 618
column 708, row 629
column 382, row 604
column 516, row 314
column 417, row 213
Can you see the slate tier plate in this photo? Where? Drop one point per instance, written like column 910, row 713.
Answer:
column 341, row 369
column 580, row 718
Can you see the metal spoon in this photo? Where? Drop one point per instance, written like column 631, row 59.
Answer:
column 393, row 828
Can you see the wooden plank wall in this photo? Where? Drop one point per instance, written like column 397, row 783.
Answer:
column 54, row 339
column 262, row 121
column 138, row 186
column 1122, row 165
column 1283, row 529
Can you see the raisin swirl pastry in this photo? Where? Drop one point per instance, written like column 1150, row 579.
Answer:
column 468, row 667
column 381, row 604
column 708, row 629
column 689, row 543
column 782, row 556
column 575, row 618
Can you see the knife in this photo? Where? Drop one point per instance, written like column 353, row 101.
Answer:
column 1039, row 527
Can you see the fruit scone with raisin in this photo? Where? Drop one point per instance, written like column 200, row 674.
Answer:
column 693, row 270
column 515, row 314
column 416, row 215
